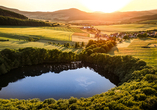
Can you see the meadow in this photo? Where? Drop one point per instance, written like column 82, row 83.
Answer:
column 134, row 48
column 149, row 22
column 25, row 32
column 68, row 29
column 41, row 44
column 109, row 29
column 18, row 37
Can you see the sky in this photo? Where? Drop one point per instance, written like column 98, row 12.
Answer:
column 84, row 5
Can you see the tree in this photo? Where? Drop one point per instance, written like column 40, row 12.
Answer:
column 126, row 37
column 68, row 26
column 67, row 45
column 82, row 44
column 77, row 45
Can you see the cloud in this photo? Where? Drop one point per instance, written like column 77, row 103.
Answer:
column 83, row 81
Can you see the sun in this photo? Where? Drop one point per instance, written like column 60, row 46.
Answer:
column 106, row 6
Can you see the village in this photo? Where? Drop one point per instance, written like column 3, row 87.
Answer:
column 121, row 35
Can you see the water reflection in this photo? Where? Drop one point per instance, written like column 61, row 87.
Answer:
column 83, row 82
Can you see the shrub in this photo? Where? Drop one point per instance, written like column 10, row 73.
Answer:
column 73, row 107
column 50, row 101
column 72, row 100
column 140, row 97
column 150, row 77
column 148, row 90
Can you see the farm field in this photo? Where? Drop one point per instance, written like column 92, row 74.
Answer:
column 70, row 29
column 42, row 44
column 149, row 21
column 126, row 28
column 17, row 37
column 135, row 49
column 24, row 33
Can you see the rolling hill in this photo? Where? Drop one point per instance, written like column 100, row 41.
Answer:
column 73, row 14
column 11, row 14
column 11, row 18
column 145, row 18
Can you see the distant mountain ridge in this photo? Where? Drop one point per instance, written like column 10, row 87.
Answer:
column 75, row 14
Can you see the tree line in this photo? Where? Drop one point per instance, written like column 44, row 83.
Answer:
column 4, row 20
column 10, row 59
column 11, row 14
column 15, row 19
column 100, row 46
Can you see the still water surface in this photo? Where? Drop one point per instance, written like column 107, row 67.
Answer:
column 53, row 81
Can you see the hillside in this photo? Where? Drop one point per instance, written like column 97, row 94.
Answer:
column 11, row 14
column 10, row 18
column 145, row 18
column 73, row 14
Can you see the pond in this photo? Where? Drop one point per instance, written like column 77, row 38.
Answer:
column 56, row 81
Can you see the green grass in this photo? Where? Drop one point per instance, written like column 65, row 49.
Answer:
column 149, row 21
column 135, row 49
column 70, row 29
column 18, row 35
column 23, row 44
column 126, row 28
column 25, row 32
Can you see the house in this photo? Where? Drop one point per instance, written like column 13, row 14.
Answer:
column 86, row 27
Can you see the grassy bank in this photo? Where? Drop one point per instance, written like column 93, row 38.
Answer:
column 135, row 48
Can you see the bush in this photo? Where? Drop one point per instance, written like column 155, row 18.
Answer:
column 72, row 100
column 73, row 107
column 50, row 101
column 149, row 90
column 150, row 77
column 140, row 97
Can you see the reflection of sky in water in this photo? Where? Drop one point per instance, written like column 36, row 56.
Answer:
column 78, row 83
column 83, row 81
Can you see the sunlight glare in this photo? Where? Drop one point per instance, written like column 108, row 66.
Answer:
column 106, row 6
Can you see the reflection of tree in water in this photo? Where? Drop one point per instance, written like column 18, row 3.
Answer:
column 38, row 70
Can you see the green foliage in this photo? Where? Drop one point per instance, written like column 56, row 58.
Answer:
column 77, row 45
column 33, row 39
column 67, row 45
column 101, row 46
column 142, row 35
column 11, row 59
column 82, row 44
column 59, row 28
column 49, row 101
column 137, row 89
column 11, row 14
column 4, row 20
column 126, row 37
column 72, row 100
column 149, row 90
column 4, row 40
